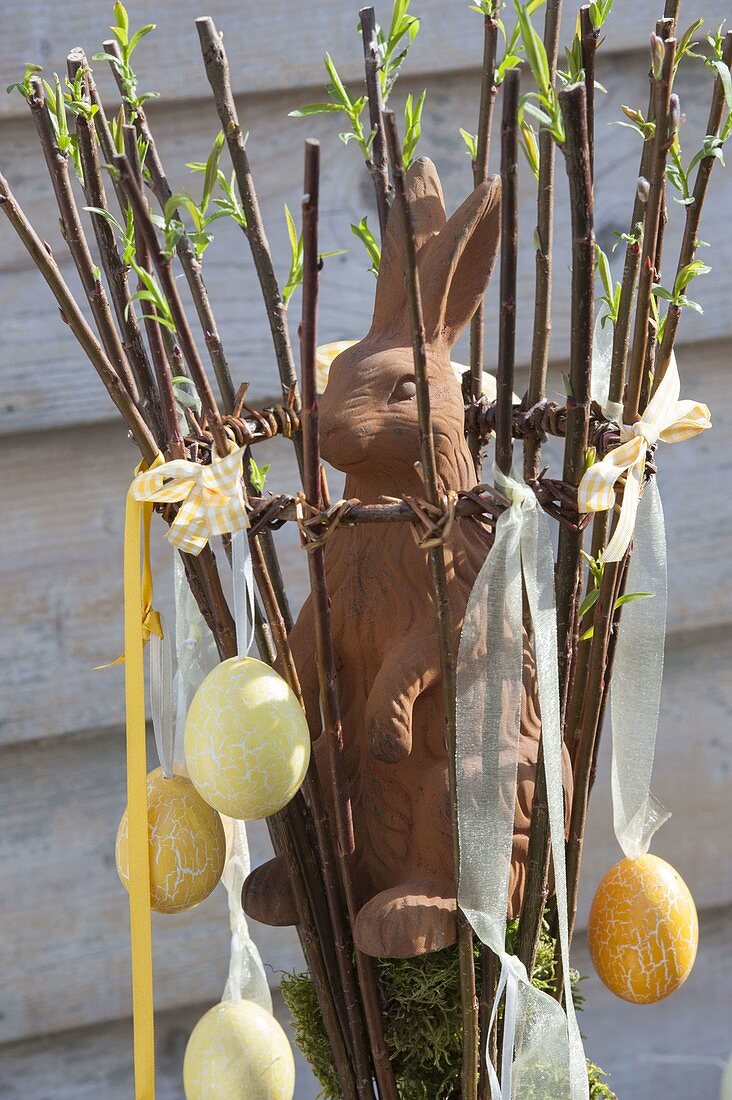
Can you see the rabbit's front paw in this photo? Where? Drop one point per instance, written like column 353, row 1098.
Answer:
column 389, row 741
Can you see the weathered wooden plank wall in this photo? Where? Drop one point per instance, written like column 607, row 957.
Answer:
column 67, row 465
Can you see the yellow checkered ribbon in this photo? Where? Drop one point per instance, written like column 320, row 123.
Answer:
column 211, row 496
column 666, row 418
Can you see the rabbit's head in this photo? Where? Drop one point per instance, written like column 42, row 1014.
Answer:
column 368, row 413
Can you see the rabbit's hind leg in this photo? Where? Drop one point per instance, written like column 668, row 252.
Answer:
column 411, row 919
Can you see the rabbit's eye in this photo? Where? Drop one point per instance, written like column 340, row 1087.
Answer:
column 405, row 390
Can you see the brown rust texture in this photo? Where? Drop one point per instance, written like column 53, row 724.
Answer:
column 383, row 614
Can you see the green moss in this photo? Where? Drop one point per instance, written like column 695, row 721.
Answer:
column 421, row 1002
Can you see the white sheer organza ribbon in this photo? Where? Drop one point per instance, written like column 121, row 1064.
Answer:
column 243, row 582
column 635, row 692
column 602, row 357
column 161, row 697
column 195, row 651
column 197, row 656
column 542, row 1047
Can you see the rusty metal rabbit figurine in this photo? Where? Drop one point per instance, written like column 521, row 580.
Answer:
column 383, row 614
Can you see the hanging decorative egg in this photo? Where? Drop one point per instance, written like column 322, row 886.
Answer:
column 643, row 930
column 238, row 1051
column 246, row 739
column 187, row 844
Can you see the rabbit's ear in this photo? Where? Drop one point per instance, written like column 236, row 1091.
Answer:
column 424, row 192
column 455, row 267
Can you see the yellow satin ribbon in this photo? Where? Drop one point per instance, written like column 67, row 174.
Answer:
column 151, row 621
column 140, row 621
column 211, row 496
column 666, row 418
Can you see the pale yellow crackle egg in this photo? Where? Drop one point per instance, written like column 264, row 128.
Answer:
column 643, row 930
column 247, row 742
column 326, row 353
column 238, row 1051
column 187, row 844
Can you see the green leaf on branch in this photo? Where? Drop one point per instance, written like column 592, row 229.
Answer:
column 257, row 475
column 726, row 79
column 128, row 43
column 24, row 86
column 393, row 45
column 315, row 109
column 412, row 126
column 295, row 276
column 530, row 147
column 364, row 234
column 534, row 49
column 341, row 102
column 151, row 292
column 685, row 47
column 600, row 12
column 631, row 597
column 611, row 297
column 471, row 141
column 589, row 601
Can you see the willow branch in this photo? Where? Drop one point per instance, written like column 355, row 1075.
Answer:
column 469, row 1074
column 631, row 265
column 689, row 241
column 151, row 320
column 163, row 267
column 589, row 38
column 651, row 221
column 378, row 164
column 73, row 233
column 104, row 133
column 508, row 274
column 217, row 71
column 577, row 161
column 544, row 243
column 74, row 318
column 189, row 261
column 325, row 651
column 488, row 90
column 111, row 261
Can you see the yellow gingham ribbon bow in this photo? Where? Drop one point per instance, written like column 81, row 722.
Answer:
column 665, row 418
column 212, row 498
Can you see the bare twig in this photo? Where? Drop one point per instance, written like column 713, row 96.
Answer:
column 378, row 165
column 488, row 90
column 586, row 737
column 153, row 328
column 163, row 267
column 469, row 1076
column 217, row 70
column 186, row 253
column 112, row 263
column 74, row 318
column 661, row 143
column 631, row 266
column 589, row 38
column 689, row 240
column 323, row 633
column 509, row 263
column 544, row 242
column 573, row 104
column 73, row 233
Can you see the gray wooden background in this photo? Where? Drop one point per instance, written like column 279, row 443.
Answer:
column 66, row 465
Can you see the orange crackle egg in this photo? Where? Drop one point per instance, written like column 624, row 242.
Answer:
column 187, row 844
column 644, row 930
